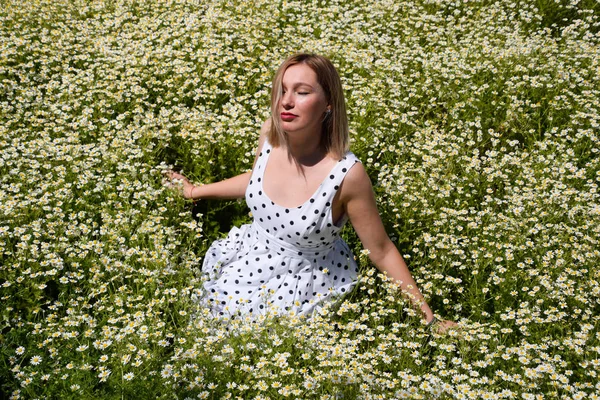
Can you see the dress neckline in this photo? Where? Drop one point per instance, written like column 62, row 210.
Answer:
column 264, row 169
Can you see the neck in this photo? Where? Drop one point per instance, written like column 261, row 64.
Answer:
column 306, row 150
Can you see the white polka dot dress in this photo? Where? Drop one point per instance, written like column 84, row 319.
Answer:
column 288, row 259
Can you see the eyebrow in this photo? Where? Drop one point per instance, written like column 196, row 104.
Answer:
column 299, row 84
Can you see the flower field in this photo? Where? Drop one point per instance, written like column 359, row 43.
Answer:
column 479, row 125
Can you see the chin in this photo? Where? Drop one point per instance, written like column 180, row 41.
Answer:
column 288, row 126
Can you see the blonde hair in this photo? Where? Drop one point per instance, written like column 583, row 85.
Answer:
column 334, row 128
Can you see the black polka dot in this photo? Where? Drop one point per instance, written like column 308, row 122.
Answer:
column 314, row 232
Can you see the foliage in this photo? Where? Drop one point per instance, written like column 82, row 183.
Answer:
column 477, row 122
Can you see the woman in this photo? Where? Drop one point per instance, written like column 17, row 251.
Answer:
column 304, row 186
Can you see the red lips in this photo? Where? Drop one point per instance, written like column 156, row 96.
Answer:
column 288, row 116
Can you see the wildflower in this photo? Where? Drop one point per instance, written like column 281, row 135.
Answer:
column 103, row 375
column 35, row 360
column 309, row 384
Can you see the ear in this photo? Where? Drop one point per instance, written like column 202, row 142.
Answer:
column 327, row 114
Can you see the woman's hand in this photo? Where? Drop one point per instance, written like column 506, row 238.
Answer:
column 443, row 326
column 175, row 179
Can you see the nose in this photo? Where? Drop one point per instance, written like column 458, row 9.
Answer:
column 286, row 100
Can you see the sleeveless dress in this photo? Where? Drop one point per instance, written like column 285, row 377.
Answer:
column 290, row 259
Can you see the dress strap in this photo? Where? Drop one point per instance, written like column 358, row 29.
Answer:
column 338, row 173
column 264, row 153
column 261, row 160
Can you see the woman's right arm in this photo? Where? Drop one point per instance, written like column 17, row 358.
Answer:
column 232, row 188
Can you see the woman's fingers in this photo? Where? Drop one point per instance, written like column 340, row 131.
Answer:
column 445, row 326
column 174, row 175
column 175, row 180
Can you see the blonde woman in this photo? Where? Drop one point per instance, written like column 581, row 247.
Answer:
column 304, row 186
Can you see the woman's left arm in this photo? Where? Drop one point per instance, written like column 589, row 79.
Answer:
column 358, row 199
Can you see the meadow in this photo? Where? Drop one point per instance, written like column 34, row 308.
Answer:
column 477, row 120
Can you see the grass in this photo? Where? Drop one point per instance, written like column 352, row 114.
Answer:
column 477, row 122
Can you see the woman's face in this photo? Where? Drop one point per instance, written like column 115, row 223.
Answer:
column 303, row 103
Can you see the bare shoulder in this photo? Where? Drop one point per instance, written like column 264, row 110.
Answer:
column 266, row 126
column 264, row 131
